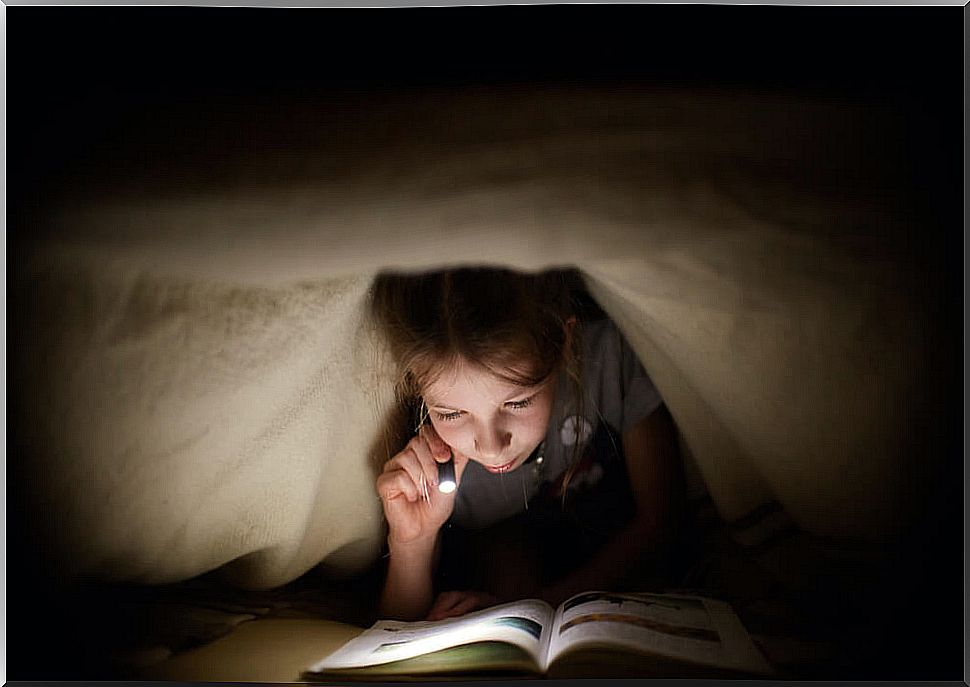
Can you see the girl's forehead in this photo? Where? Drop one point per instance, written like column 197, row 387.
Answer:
column 464, row 382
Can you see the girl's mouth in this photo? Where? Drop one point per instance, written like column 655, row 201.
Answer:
column 500, row 468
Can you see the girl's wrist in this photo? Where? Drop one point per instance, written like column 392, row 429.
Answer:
column 420, row 545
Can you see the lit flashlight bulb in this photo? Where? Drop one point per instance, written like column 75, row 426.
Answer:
column 446, row 476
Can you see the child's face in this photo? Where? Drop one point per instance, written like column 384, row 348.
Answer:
column 491, row 421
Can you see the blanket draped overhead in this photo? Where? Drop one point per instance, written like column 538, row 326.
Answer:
column 198, row 385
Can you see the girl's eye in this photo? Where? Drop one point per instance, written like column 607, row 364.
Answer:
column 449, row 416
column 524, row 403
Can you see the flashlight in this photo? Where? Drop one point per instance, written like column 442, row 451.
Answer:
column 446, row 476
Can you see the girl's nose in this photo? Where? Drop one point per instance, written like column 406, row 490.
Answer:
column 490, row 443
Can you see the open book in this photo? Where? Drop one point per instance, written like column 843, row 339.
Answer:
column 593, row 634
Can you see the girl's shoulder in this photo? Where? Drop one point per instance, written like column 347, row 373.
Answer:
column 601, row 337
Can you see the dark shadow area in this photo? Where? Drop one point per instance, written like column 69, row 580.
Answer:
column 87, row 73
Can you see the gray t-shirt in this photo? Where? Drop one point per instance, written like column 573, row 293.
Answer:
column 617, row 393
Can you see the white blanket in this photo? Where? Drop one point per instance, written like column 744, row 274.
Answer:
column 201, row 389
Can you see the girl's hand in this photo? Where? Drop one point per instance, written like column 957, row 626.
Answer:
column 408, row 488
column 454, row 604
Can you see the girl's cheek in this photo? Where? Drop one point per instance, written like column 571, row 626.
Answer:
column 448, row 434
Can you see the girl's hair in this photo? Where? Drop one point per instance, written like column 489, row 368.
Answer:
column 512, row 324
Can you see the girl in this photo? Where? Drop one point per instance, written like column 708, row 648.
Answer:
column 565, row 457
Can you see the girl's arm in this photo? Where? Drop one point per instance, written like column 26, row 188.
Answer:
column 415, row 511
column 408, row 591
column 656, row 477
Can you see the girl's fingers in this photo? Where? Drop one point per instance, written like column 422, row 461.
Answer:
column 423, row 472
column 443, row 604
column 454, row 604
column 406, row 474
column 397, row 483
column 425, row 450
column 440, row 451
column 446, row 600
column 419, row 446
column 466, row 605
column 407, row 460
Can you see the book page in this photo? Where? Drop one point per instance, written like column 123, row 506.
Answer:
column 680, row 628
column 520, row 623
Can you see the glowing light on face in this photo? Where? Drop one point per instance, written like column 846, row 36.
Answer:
column 494, row 422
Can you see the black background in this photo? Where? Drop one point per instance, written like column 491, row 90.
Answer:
column 74, row 75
